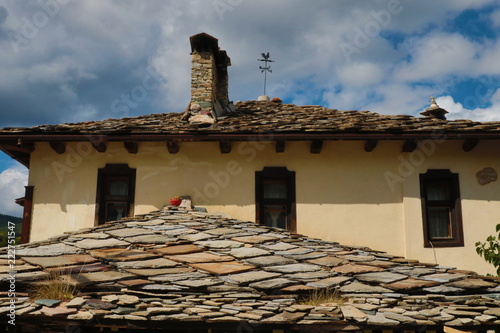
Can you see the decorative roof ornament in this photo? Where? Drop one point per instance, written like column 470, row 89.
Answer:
column 266, row 68
column 434, row 111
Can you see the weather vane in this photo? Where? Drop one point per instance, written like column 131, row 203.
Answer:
column 266, row 68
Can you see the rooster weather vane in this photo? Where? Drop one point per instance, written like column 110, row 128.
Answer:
column 266, row 68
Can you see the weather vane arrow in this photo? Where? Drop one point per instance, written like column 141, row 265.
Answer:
column 266, row 68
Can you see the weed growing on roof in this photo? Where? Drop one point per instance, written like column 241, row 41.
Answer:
column 323, row 296
column 54, row 287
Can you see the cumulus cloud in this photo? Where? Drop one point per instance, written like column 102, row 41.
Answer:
column 458, row 111
column 12, row 182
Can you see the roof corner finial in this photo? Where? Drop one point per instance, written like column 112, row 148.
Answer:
column 433, row 103
column 434, row 111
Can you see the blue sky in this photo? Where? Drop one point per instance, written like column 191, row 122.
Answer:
column 77, row 60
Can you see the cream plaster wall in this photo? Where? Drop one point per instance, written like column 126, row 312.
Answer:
column 344, row 194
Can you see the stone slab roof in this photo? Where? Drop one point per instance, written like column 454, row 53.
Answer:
column 267, row 117
column 193, row 268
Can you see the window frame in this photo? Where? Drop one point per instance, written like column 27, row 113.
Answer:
column 104, row 175
column 276, row 173
column 456, row 238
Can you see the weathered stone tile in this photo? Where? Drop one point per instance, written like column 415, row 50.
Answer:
column 85, row 278
column 201, row 257
column 248, row 252
column 270, row 261
column 26, row 276
column 248, row 277
column 76, row 302
column 59, row 311
column 443, row 290
column 306, row 256
column 178, row 249
column 222, row 268
column 329, row 282
column 149, row 239
column 148, row 271
column 199, row 236
column 224, row 318
column 295, row 251
column 380, row 263
column 57, row 249
column 310, row 275
column 329, row 261
column 93, row 235
column 220, row 244
column 178, row 276
column 272, row 284
column 48, row 302
column 294, row 268
column 351, row 313
column 472, row 284
column 129, row 232
column 410, row 283
column 258, row 239
column 443, row 277
column 63, row 260
column 97, row 304
column 280, row 246
column 93, row 267
column 163, row 310
column 81, row 315
column 357, row 287
column 223, row 231
column 89, row 244
column 128, row 299
column 358, row 258
column 380, row 277
column 355, row 268
column 122, row 254
column 285, row 317
column 18, row 268
column 173, row 232
column 298, row 288
column 150, row 263
column 400, row 318
column 133, row 282
column 198, row 283
column 380, row 319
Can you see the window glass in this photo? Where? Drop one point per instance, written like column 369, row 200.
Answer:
column 438, row 190
column 275, row 189
column 440, row 222
column 118, row 187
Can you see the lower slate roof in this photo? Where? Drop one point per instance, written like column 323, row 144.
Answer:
column 177, row 268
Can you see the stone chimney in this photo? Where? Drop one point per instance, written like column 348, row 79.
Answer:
column 209, row 80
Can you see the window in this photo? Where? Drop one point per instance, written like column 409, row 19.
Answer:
column 441, row 211
column 275, row 197
column 115, row 192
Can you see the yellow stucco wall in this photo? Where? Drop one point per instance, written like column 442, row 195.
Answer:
column 343, row 194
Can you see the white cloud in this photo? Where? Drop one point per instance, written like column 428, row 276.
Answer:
column 458, row 111
column 436, row 56
column 12, row 182
column 360, row 74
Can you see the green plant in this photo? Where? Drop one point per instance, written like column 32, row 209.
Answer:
column 322, row 296
column 176, row 198
column 490, row 250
